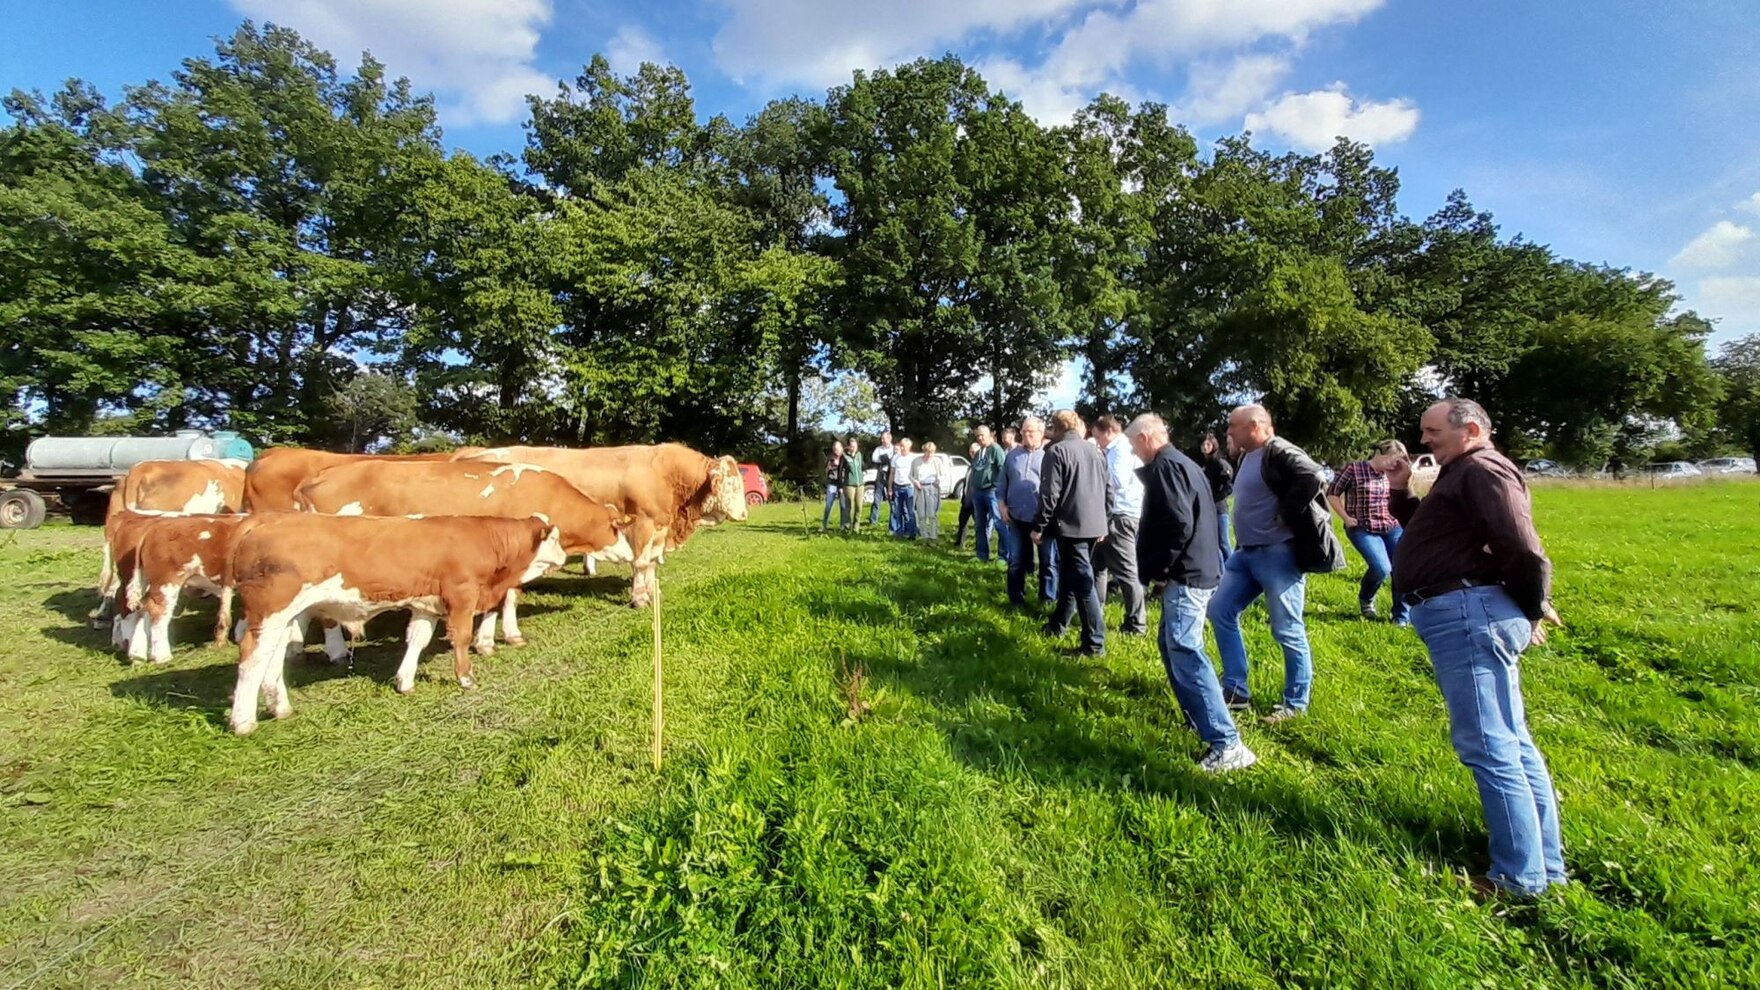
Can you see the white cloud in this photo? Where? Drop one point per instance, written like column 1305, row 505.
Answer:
column 476, row 55
column 632, row 46
column 1221, row 91
column 1718, row 247
column 1736, row 298
column 1313, row 121
column 1751, row 204
column 1044, row 98
column 820, row 42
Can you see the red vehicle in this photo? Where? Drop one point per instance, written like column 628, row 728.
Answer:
column 757, row 487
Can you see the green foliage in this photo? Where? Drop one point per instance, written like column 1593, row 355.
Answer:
column 376, row 409
column 1738, row 370
column 226, row 248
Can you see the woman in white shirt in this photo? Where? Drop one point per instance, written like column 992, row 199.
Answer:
column 926, row 475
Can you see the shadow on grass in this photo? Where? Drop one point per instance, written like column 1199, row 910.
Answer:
column 1040, row 707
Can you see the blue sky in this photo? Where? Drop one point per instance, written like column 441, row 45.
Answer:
column 1615, row 131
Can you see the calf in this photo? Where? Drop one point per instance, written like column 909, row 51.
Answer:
column 166, row 486
column 468, row 488
column 349, row 569
column 157, row 556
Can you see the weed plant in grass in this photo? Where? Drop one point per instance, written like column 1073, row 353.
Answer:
column 876, row 777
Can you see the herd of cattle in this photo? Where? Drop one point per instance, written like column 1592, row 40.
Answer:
column 302, row 535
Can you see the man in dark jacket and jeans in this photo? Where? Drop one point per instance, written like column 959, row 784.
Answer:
column 1176, row 543
column 1075, row 502
column 1283, row 533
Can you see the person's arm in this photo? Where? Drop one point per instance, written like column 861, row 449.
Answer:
column 1338, row 510
column 1401, row 503
column 1002, row 493
column 1301, row 474
column 1500, row 508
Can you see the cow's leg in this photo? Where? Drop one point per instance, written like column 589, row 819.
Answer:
column 642, row 583
column 335, row 647
column 421, row 631
column 161, row 605
column 259, row 644
column 458, row 629
column 510, row 618
column 295, row 640
column 485, row 644
column 588, row 565
column 106, row 588
column 136, row 635
column 275, row 684
column 223, row 618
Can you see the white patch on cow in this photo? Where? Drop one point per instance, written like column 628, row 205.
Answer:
column 471, row 476
column 617, row 553
column 517, row 469
column 488, row 490
column 420, row 632
column 550, row 556
column 159, row 636
column 208, row 500
column 351, row 509
column 484, row 643
column 233, row 462
column 590, row 567
column 510, row 617
column 205, row 535
column 416, row 515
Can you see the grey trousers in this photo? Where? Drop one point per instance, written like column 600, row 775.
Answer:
column 1115, row 559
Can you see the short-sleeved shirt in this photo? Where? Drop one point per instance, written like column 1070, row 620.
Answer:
column 1257, row 521
column 1364, row 491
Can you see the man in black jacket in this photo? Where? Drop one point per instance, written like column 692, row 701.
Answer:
column 1176, row 543
column 1075, row 502
column 1283, row 533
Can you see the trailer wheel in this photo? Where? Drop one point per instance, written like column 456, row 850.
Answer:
column 21, row 508
column 87, row 508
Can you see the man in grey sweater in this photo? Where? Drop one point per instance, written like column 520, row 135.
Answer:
column 1075, row 502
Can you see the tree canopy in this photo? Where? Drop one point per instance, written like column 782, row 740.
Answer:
column 267, row 243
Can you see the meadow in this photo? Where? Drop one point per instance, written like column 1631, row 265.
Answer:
column 877, row 777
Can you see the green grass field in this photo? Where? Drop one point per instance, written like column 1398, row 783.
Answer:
column 1003, row 815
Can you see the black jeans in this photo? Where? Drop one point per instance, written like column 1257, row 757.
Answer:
column 1022, row 562
column 1076, row 595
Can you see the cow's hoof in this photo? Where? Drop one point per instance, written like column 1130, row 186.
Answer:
column 484, row 649
column 406, row 689
column 283, row 710
column 468, row 683
column 244, row 728
column 159, row 660
column 516, row 641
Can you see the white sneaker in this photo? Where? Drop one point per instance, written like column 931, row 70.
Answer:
column 1235, row 757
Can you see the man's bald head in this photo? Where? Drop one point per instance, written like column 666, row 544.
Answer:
column 1249, row 427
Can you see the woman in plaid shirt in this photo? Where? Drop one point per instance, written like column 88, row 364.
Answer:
column 1359, row 496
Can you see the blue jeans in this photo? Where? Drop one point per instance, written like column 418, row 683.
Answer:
column 1475, row 638
column 984, row 519
column 1076, row 594
column 1222, row 534
column 1194, row 681
column 1022, row 562
column 882, row 493
column 1377, row 551
column 1270, row 571
column 904, row 512
column 830, row 500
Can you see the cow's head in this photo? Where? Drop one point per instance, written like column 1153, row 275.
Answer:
column 547, row 554
column 727, row 492
column 619, row 551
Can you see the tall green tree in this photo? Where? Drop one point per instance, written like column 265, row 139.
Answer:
column 1738, row 415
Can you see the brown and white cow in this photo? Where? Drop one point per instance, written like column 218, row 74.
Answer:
column 167, row 486
column 157, row 556
column 474, row 488
column 277, row 473
column 668, row 490
column 350, row 568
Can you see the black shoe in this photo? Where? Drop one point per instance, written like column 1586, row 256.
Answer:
column 1133, row 632
column 1367, row 610
column 1052, row 632
column 1236, row 702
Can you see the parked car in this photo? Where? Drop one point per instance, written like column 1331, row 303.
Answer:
column 957, row 473
column 757, row 486
column 1728, row 465
column 1424, row 471
column 1666, row 470
column 1543, row 468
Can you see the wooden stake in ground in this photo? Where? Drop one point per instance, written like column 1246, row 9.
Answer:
column 659, row 682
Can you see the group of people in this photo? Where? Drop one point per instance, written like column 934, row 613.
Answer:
column 1080, row 512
